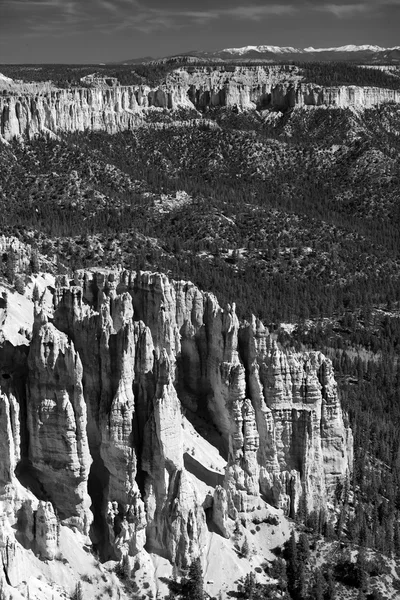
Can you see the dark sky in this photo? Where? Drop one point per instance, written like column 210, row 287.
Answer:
column 80, row 31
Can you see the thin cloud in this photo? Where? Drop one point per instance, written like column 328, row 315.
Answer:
column 256, row 12
column 343, row 11
column 238, row 12
column 197, row 14
column 151, row 19
column 24, row 4
column 67, row 17
column 54, row 15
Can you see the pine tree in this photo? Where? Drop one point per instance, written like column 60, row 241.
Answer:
column 317, row 591
column 78, row 592
column 249, row 586
column 35, row 294
column 245, row 550
column 35, row 265
column 292, row 563
column 193, row 586
column 330, row 592
column 303, row 548
column 11, row 268
column 313, row 521
column 361, row 570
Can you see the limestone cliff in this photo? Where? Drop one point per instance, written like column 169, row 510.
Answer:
column 142, row 397
column 120, row 108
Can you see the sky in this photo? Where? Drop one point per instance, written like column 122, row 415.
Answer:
column 93, row 31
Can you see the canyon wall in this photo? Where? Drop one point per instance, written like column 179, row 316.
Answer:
column 122, row 108
column 141, row 398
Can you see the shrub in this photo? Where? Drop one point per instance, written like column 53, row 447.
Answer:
column 245, row 549
column 19, row 284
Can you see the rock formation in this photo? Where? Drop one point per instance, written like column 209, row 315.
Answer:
column 129, row 370
column 120, row 108
column 56, row 423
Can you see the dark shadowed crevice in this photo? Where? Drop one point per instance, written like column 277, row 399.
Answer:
column 14, row 371
column 138, row 430
column 141, row 480
column 209, row 520
column 143, row 392
column 6, row 574
column 98, row 491
column 194, row 394
column 210, row 478
column 243, row 347
column 298, row 440
column 29, row 477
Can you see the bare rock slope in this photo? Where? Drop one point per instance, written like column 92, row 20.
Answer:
column 145, row 415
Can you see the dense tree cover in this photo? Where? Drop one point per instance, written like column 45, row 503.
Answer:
column 153, row 73
column 346, row 73
column 65, row 76
column 290, row 228
column 61, row 75
column 304, row 575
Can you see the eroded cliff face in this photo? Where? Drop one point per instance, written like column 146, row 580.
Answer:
column 122, row 108
column 56, row 422
column 144, row 400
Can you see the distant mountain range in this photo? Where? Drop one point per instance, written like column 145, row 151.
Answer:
column 364, row 54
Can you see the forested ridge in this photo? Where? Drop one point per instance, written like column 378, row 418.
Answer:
column 294, row 224
column 154, row 73
column 344, row 73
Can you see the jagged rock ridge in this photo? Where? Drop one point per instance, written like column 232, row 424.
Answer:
column 144, row 398
column 121, row 108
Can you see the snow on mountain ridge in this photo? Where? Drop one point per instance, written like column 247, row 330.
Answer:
column 310, row 49
column 348, row 48
column 274, row 49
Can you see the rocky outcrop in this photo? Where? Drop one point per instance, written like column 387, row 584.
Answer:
column 285, row 96
column 46, row 531
column 25, row 520
column 277, row 417
column 9, row 438
column 121, row 108
column 56, row 422
column 128, row 369
column 292, row 394
column 93, row 109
